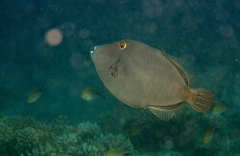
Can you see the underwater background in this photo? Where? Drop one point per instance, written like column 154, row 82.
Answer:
column 61, row 123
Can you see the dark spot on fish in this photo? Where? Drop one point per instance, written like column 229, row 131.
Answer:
column 114, row 71
column 113, row 68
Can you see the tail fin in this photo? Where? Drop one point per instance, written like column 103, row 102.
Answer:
column 200, row 99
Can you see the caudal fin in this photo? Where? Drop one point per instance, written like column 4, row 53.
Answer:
column 200, row 99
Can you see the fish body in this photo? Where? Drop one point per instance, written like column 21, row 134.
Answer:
column 208, row 134
column 35, row 94
column 121, row 151
column 219, row 108
column 90, row 94
column 144, row 77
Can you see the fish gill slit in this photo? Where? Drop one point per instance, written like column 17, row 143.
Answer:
column 114, row 69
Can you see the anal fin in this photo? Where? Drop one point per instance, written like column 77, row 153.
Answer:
column 165, row 113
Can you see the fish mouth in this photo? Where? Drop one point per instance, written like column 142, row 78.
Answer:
column 93, row 50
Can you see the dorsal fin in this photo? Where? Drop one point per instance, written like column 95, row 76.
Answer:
column 182, row 66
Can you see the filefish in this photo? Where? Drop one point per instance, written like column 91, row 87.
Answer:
column 121, row 151
column 90, row 94
column 144, row 77
column 35, row 94
column 219, row 108
column 209, row 133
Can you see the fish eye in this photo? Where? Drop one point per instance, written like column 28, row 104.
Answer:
column 123, row 45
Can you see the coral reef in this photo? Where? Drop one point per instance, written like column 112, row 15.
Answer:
column 31, row 138
column 6, row 133
column 88, row 128
column 27, row 137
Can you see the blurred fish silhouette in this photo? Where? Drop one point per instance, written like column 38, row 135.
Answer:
column 90, row 94
column 219, row 108
column 209, row 133
column 143, row 77
column 136, row 129
column 121, row 151
column 35, row 94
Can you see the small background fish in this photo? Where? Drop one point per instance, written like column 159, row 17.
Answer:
column 35, row 94
column 121, row 151
column 219, row 108
column 90, row 94
column 209, row 133
column 136, row 129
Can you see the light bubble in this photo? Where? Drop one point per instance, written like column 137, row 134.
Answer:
column 68, row 28
column 166, row 138
column 30, row 7
column 56, row 8
column 88, row 45
column 152, row 8
column 43, row 22
column 226, row 31
column 76, row 87
column 83, row 74
column 169, row 144
column 53, row 37
column 77, row 60
column 174, row 130
column 84, row 33
column 159, row 134
column 150, row 27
